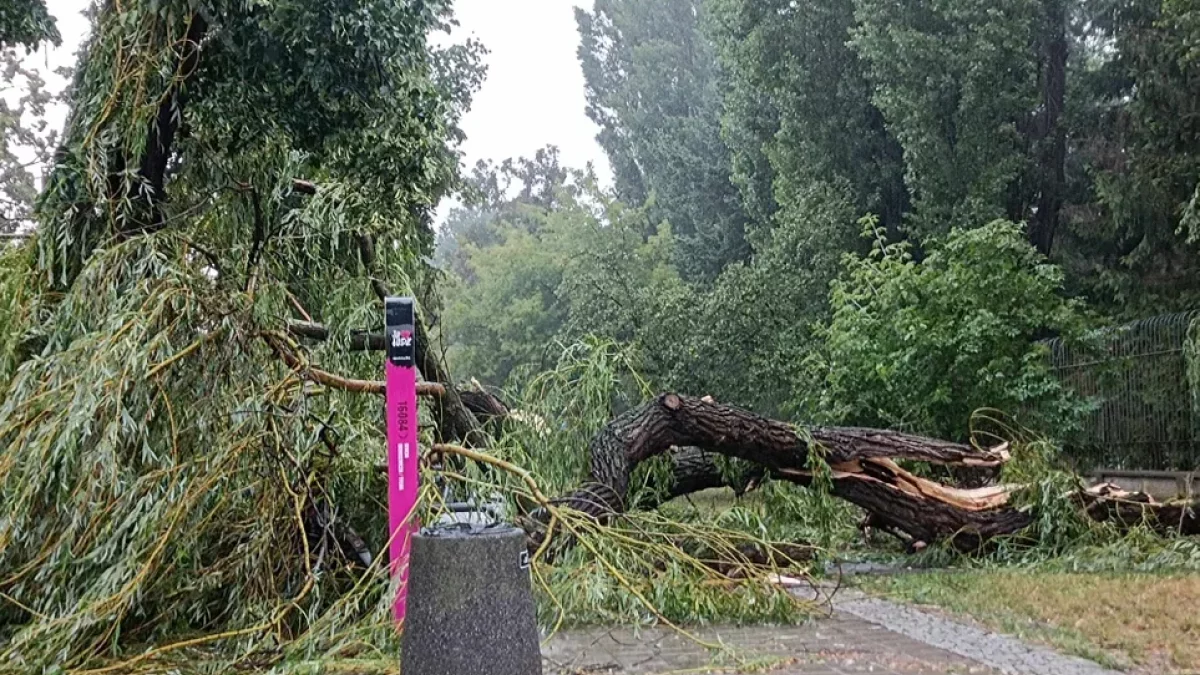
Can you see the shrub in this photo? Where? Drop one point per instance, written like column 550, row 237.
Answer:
column 921, row 345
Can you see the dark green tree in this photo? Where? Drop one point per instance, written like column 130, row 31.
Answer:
column 652, row 87
column 957, row 84
column 922, row 346
column 756, row 329
column 26, row 23
column 1135, row 144
column 799, row 110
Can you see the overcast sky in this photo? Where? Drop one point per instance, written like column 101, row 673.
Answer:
column 533, row 95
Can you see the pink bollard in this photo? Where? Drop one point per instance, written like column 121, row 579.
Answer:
column 403, row 454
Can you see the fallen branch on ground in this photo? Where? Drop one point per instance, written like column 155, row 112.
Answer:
column 862, row 470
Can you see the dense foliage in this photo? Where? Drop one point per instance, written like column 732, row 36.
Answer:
column 923, row 346
column 26, row 23
column 231, row 168
column 652, row 86
column 163, row 446
column 1071, row 118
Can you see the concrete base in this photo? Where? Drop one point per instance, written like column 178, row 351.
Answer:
column 470, row 604
column 1162, row 485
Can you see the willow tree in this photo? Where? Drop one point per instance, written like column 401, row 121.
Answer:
column 172, row 458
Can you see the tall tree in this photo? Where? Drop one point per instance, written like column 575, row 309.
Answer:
column 957, row 83
column 1131, row 157
column 652, row 87
column 799, row 110
column 1048, row 135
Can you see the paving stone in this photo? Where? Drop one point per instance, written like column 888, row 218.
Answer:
column 864, row 635
column 839, row 645
column 1006, row 654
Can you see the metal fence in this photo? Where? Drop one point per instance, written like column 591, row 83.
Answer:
column 1138, row 375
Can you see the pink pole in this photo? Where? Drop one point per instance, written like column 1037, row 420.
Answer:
column 403, row 470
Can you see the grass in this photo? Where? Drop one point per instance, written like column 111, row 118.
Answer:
column 1144, row 622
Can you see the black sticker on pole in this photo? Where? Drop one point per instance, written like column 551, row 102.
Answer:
column 400, row 320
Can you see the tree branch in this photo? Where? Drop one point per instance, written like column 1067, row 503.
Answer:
column 325, row 378
column 360, row 341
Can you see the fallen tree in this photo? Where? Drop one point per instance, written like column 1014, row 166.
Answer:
column 861, row 466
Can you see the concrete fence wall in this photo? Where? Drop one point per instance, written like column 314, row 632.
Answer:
column 1162, row 485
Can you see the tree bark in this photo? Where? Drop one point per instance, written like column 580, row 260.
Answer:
column 1109, row 503
column 360, row 341
column 861, row 468
column 160, row 138
column 1051, row 136
column 485, row 406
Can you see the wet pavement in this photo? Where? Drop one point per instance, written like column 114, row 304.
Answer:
column 863, row 635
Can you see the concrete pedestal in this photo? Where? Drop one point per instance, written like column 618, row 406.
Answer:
column 470, row 604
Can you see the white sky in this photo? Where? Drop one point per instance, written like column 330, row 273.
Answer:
column 533, row 95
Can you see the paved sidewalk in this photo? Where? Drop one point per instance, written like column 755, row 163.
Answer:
column 833, row 646
column 1007, row 654
column 864, row 635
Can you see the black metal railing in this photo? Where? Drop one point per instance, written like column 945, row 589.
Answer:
column 1142, row 378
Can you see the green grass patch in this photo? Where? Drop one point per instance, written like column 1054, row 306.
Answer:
column 1142, row 621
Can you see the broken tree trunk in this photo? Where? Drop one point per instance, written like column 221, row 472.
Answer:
column 862, row 464
column 1109, row 503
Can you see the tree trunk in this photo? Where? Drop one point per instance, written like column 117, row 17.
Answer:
column 160, row 138
column 360, row 341
column 861, row 467
column 1051, row 138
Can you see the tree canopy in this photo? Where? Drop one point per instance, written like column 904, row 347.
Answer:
column 653, row 87
column 225, row 168
column 1069, row 118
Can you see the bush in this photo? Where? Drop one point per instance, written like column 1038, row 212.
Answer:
column 921, row 345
